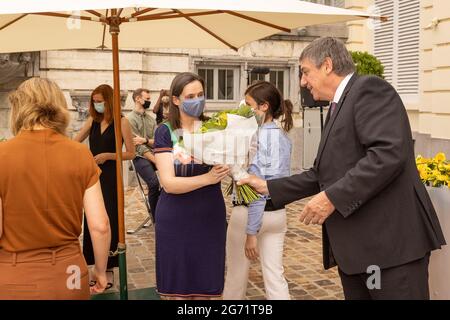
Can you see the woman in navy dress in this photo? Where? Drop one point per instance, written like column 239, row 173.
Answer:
column 190, row 223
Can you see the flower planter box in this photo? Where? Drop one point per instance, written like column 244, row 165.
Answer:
column 439, row 269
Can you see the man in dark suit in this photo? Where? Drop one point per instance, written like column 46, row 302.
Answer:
column 379, row 225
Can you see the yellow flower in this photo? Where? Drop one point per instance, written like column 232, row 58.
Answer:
column 440, row 157
column 424, row 175
column 434, row 171
column 419, row 159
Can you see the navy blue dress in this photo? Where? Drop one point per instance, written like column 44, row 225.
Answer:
column 190, row 233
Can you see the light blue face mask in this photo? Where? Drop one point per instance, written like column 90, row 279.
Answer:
column 260, row 118
column 194, row 107
column 99, row 107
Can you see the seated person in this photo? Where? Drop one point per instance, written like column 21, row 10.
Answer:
column 143, row 128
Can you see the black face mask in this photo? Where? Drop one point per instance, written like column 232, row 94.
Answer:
column 146, row 104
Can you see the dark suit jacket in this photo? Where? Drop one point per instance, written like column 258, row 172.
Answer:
column 366, row 165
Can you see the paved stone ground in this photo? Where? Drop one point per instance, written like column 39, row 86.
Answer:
column 302, row 256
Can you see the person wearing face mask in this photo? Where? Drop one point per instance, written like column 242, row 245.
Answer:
column 99, row 128
column 161, row 108
column 143, row 127
column 258, row 231
column 365, row 187
column 190, row 224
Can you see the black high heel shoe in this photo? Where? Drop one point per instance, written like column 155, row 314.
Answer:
column 109, row 285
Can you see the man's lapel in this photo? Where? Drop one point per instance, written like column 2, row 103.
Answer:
column 330, row 119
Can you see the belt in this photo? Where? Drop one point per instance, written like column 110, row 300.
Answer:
column 269, row 206
column 41, row 255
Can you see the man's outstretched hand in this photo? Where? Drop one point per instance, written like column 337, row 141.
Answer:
column 258, row 184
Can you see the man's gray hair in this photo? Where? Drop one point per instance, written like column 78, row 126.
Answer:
column 333, row 48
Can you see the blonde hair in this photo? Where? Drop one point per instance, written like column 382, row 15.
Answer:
column 40, row 102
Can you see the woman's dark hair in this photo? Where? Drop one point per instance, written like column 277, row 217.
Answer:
column 176, row 88
column 265, row 92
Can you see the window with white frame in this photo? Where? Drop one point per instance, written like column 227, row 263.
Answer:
column 396, row 44
column 221, row 84
column 278, row 77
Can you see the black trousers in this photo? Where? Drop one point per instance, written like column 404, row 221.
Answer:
column 147, row 171
column 405, row 282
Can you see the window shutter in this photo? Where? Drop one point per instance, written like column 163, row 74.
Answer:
column 339, row 3
column 408, row 47
column 384, row 38
column 396, row 44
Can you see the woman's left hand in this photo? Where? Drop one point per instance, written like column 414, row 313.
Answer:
column 101, row 158
column 251, row 247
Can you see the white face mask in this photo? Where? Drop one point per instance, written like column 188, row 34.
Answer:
column 165, row 99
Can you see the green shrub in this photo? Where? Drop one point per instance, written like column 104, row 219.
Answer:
column 367, row 64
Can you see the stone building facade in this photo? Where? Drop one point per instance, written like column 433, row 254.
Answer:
column 414, row 46
column 226, row 72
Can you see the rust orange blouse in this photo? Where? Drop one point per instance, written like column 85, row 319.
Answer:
column 43, row 177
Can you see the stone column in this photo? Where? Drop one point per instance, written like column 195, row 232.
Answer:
column 360, row 35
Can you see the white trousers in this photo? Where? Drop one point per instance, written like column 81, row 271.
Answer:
column 270, row 248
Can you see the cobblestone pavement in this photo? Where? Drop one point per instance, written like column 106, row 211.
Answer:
column 302, row 256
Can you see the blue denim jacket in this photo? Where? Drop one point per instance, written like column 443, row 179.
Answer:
column 272, row 161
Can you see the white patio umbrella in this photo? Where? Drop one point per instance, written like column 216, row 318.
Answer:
column 30, row 25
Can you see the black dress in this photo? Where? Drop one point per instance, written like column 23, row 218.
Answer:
column 101, row 143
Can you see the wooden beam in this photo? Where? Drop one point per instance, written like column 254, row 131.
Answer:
column 187, row 17
column 63, row 15
column 13, row 21
column 141, row 12
column 271, row 25
column 165, row 15
column 380, row 18
column 95, row 13
column 104, row 32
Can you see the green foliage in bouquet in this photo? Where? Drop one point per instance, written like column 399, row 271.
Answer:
column 244, row 194
column 219, row 121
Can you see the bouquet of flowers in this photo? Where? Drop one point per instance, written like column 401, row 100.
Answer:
column 434, row 172
column 227, row 138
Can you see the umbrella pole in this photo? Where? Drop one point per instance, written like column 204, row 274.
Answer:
column 121, row 246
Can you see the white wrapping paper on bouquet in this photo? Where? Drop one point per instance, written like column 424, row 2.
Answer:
column 232, row 146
